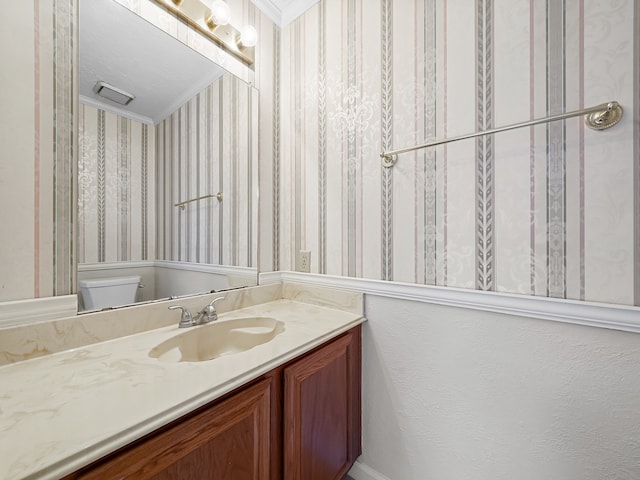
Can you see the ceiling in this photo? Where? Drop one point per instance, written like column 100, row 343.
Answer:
column 123, row 50
column 120, row 48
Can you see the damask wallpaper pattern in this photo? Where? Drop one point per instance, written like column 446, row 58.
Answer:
column 116, row 188
column 384, row 75
column 387, row 139
column 207, row 146
column 636, row 149
column 131, row 175
column 265, row 76
column 557, row 147
column 545, row 210
column 485, row 148
column 65, row 108
column 273, row 193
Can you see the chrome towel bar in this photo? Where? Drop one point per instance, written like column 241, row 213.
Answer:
column 182, row 204
column 598, row 117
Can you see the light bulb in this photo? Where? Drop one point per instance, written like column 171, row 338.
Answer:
column 248, row 36
column 220, row 13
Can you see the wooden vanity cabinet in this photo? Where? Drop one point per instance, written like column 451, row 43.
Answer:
column 322, row 411
column 301, row 421
column 228, row 441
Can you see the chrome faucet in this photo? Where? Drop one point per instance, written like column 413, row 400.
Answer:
column 206, row 315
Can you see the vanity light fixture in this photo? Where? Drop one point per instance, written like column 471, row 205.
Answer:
column 211, row 18
column 219, row 14
column 248, row 36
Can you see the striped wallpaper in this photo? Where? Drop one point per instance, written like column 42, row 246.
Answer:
column 131, row 175
column 208, row 146
column 549, row 210
column 636, row 149
column 37, row 148
column 546, row 210
column 197, row 235
column 116, row 188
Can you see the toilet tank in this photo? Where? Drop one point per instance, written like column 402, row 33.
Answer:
column 108, row 292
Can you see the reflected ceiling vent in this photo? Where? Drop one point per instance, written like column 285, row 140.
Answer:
column 112, row 93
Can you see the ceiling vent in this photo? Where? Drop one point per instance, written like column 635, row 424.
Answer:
column 112, row 93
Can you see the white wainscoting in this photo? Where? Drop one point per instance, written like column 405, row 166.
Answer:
column 183, row 278
column 163, row 278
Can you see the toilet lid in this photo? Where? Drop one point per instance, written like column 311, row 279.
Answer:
column 108, row 282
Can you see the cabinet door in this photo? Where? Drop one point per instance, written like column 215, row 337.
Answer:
column 228, row 441
column 322, row 411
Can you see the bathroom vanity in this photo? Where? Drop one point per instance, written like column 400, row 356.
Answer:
column 286, row 406
column 298, row 421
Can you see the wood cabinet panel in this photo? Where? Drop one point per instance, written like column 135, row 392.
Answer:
column 229, row 441
column 322, row 411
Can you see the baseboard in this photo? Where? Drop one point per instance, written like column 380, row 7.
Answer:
column 360, row 471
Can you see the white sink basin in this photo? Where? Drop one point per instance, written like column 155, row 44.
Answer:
column 218, row 338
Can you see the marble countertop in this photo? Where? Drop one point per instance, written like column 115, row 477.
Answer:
column 62, row 411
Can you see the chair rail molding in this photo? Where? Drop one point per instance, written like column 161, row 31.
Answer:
column 602, row 315
column 32, row 310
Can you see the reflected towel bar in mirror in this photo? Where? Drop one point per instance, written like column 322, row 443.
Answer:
column 598, row 117
column 182, row 204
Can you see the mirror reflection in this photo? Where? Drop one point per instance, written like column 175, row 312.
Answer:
column 167, row 169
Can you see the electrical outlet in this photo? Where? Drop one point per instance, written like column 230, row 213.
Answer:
column 304, row 261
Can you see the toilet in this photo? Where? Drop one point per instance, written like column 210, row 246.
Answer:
column 108, row 292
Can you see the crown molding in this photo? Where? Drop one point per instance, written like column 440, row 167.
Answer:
column 283, row 17
column 296, row 9
column 270, row 9
column 113, row 109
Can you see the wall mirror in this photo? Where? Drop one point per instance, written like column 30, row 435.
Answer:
column 167, row 164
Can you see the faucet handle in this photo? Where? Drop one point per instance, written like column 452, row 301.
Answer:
column 209, row 311
column 185, row 318
column 215, row 300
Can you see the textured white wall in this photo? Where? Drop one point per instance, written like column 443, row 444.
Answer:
column 455, row 394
